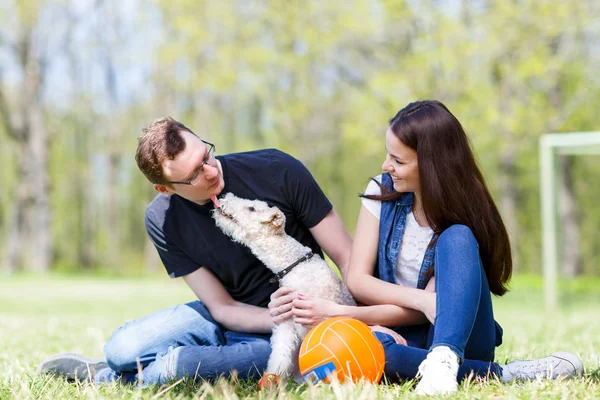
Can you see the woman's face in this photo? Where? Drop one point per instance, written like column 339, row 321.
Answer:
column 401, row 163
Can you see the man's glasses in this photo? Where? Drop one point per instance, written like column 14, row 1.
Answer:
column 199, row 173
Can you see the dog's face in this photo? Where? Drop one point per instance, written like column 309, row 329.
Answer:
column 243, row 219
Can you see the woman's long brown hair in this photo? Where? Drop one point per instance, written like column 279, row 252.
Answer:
column 453, row 190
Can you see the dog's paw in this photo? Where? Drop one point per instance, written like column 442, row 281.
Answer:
column 268, row 381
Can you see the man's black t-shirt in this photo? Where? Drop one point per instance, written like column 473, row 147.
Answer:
column 186, row 237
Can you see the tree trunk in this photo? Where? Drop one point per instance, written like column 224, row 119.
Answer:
column 30, row 239
column 86, row 254
column 508, row 170
column 41, row 222
column 568, row 209
column 16, row 226
column 570, row 251
column 113, row 238
column 509, row 195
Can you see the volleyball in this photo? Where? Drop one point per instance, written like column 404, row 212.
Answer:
column 341, row 348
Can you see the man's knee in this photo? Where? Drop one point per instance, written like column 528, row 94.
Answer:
column 142, row 339
column 123, row 349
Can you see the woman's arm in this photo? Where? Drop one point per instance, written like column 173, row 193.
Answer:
column 384, row 315
column 363, row 285
column 387, row 304
column 309, row 311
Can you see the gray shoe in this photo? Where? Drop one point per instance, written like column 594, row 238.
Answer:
column 72, row 366
column 557, row 365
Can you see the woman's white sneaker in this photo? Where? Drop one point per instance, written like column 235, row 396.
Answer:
column 557, row 365
column 438, row 372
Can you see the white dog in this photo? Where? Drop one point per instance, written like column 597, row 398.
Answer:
column 261, row 228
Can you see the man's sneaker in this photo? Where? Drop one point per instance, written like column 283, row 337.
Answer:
column 439, row 372
column 556, row 365
column 72, row 366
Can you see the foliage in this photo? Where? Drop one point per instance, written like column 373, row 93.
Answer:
column 317, row 79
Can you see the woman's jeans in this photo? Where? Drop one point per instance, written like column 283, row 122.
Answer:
column 464, row 317
column 182, row 341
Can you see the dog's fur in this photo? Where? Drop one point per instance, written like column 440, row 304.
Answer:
column 261, row 228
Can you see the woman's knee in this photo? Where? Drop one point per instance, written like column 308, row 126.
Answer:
column 456, row 256
column 458, row 236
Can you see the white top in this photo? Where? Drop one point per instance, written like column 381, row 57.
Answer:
column 414, row 241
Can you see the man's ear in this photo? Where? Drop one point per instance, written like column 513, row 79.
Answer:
column 160, row 188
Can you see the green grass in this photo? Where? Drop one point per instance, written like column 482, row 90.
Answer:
column 42, row 316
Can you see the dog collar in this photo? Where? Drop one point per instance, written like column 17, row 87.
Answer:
column 278, row 276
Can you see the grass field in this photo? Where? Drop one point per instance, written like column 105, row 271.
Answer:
column 40, row 317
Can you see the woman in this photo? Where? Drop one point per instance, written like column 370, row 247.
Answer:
column 435, row 217
column 430, row 248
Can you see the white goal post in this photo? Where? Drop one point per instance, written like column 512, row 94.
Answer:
column 551, row 145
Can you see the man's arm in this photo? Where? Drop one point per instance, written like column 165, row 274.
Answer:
column 233, row 315
column 332, row 236
column 312, row 208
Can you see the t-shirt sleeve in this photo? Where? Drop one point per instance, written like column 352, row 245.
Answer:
column 301, row 190
column 176, row 262
column 373, row 206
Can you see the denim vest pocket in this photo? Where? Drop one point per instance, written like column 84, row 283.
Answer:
column 392, row 222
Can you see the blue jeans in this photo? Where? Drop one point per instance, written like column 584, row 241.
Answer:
column 464, row 317
column 182, row 341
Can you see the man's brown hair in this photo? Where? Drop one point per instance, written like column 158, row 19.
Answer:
column 161, row 140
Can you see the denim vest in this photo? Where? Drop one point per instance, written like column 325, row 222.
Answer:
column 392, row 221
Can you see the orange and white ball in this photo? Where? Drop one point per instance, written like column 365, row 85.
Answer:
column 341, row 348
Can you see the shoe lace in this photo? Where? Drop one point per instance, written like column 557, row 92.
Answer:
column 437, row 364
column 532, row 368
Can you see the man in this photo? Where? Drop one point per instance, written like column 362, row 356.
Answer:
column 228, row 327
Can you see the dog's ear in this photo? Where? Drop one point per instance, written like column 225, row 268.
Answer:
column 276, row 219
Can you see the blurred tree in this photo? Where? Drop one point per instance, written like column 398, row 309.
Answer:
column 316, row 79
column 29, row 238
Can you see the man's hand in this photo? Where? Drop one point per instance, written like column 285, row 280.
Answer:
column 233, row 315
column 309, row 311
column 280, row 306
column 397, row 338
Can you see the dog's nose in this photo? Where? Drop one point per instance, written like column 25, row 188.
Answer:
column 224, row 207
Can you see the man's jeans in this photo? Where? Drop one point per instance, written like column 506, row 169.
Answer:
column 182, row 341
column 464, row 316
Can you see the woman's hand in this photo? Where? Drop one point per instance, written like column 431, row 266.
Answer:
column 429, row 298
column 309, row 311
column 427, row 306
column 430, row 285
column 280, row 306
column 397, row 338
